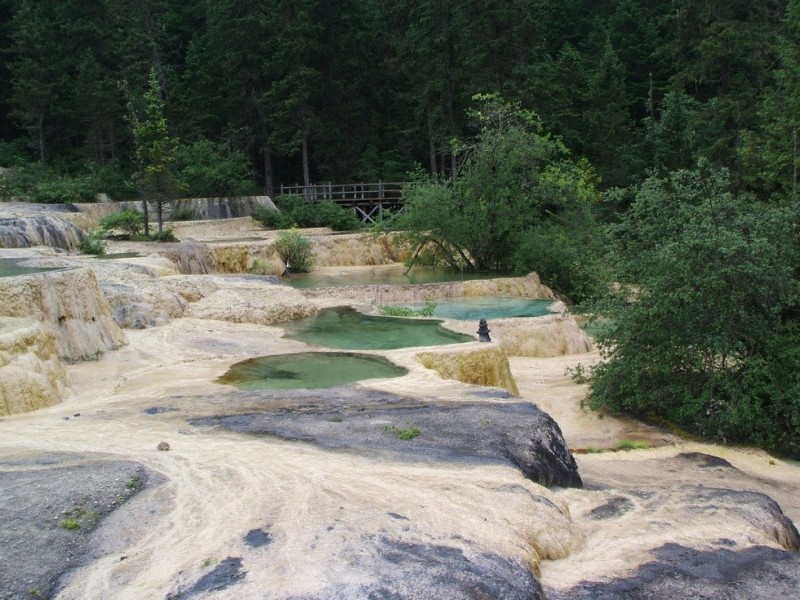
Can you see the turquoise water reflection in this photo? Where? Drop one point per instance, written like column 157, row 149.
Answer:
column 308, row 370
column 352, row 330
column 488, row 307
column 10, row 268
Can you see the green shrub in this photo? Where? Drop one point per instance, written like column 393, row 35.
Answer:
column 64, row 189
column 70, row 524
column 391, row 310
column 165, row 235
column 569, row 260
column 92, row 243
column 267, row 217
column 330, row 214
column 130, row 221
column 294, row 211
column 295, row 251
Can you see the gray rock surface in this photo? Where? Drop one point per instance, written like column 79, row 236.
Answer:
column 353, row 418
column 756, row 573
column 49, row 506
column 405, row 571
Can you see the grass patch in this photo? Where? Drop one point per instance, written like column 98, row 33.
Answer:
column 632, row 445
column 403, row 433
column 133, row 482
column 70, row 524
column 390, row 310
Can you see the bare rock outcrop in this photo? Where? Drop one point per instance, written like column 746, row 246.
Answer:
column 253, row 300
column 31, row 373
column 70, row 305
column 486, row 365
column 39, row 230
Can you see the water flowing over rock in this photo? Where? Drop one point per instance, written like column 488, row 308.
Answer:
column 221, row 208
column 41, row 230
column 31, row 374
column 70, row 305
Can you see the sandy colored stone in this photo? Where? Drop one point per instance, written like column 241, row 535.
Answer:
column 31, row 373
column 70, row 305
column 486, row 365
column 264, row 305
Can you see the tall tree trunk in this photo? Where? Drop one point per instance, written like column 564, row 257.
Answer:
column 431, row 144
column 40, row 131
column 306, row 173
column 268, row 179
column 146, row 215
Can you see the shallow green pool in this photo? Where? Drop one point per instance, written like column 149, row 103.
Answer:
column 10, row 268
column 488, row 307
column 308, row 370
column 384, row 276
column 349, row 329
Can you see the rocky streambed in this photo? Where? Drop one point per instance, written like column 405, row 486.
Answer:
column 475, row 475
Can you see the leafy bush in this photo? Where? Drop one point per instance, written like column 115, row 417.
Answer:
column 568, row 259
column 92, row 243
column 704, row 330
column 390, row 310
column 514, row 178
column 64, row 189
column 130, row 221
column 330, row 214
column 165, row 235
column 294, row 211
column 295, row 251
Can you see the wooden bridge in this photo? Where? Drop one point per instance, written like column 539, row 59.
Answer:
column 368, row 200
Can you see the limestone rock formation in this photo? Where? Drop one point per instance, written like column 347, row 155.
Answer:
column 484, row 428
column 486, row 365
column 253, row 299
column 40, row 230
column 357, row 249
column 31, row 374
column 529, row 286
column 541, row 337
column 221, row 208
column 70, row 305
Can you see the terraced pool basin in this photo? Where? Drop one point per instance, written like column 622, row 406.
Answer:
column 474, row 308
column 308, row 370
column 391, row 275
column 349, row 329
column 9, row 267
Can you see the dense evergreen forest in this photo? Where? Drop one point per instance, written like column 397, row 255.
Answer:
column 368, row 89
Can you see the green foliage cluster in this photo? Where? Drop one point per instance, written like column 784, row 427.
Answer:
column 210, row 169
column 294, row 211
column 519, row 203
column 92, row 243
column 391, row 310
column 704, row 330
column 295, row 251
column 129, row 221
column 403, row 433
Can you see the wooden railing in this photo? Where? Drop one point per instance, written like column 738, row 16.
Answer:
column 368, row 200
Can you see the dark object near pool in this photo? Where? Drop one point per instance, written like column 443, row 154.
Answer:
column 483, row 331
